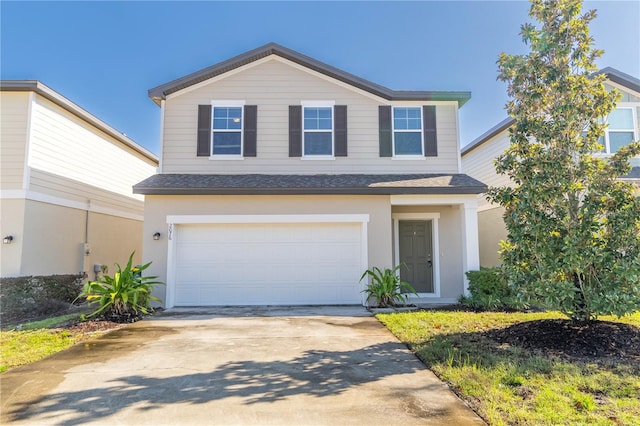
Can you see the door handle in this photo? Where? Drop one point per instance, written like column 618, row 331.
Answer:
column 430, row 263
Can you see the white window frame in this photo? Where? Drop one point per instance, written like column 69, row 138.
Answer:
column 394, row 130
column 227, row 104
column 634, row 115
column 319, row 104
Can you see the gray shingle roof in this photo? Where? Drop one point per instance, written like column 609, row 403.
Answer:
column 621, row 78
column 162, row 91
column 191, row 184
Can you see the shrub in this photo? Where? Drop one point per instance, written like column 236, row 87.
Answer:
column 490, row 291
column 123, row 296
column 386, row 288
column 34, row 296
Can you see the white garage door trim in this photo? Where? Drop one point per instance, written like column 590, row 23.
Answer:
column 173, row 220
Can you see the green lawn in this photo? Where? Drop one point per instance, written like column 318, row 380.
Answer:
column 510, row 386
column 37, row 340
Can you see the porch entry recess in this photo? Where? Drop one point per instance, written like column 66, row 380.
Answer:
column 416, row 254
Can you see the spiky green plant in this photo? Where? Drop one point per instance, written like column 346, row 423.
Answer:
column 386, row 288
column 124, row 293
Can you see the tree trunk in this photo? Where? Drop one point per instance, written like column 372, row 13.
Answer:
column 581, row 311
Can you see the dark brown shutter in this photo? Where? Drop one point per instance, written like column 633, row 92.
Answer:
column 250, row 130
column 204, row 131
column 340, row 130
column 295, row 130
column 429, row 130
column 384, row 131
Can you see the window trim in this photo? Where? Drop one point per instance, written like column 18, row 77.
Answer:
column 227, row 104
column 633, row 106
column 318, row 104
column 420, row 156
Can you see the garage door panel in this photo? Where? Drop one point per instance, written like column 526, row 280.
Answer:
column 240, row 264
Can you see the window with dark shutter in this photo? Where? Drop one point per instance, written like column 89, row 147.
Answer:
column 295, row 131
column 384, row 131
column 204, row 131
column 340, row 130
column 250, row 130
column 430, row 131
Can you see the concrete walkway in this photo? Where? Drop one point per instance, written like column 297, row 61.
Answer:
column 267, row 366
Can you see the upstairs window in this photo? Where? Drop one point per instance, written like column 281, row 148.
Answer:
column 621, row 130
column 227, row 130
column 407, row 131
column 317, row 131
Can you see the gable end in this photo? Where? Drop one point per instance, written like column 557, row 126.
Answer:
column 157, row 94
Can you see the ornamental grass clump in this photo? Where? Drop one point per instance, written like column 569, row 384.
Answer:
column 125, row 295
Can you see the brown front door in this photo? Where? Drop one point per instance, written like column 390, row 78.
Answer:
column 416, row 254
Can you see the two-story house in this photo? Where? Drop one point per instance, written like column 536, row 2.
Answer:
column 282, row 179
column 66, row 177
column 478, row 158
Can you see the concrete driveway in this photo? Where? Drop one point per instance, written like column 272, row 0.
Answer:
column 296, row 366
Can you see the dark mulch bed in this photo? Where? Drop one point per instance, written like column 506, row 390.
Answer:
column 106, row 322
column 591, row 341
column 91, row 326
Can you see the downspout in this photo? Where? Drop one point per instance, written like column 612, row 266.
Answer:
column 86, row 225
column 86, row 249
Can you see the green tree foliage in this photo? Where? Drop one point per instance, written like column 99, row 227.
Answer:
column 573, row 227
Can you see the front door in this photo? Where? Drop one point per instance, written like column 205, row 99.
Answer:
column 416, row 254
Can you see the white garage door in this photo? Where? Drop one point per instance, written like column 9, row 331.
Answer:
column 267, row 264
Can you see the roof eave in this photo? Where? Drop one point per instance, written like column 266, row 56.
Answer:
column 159, row 93
column 486, row 136
column 621, row 78
column 309, row 191
column 43, row 90
column 611, row 74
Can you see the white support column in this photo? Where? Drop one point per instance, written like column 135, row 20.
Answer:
column 470, row 244
column 171, row 268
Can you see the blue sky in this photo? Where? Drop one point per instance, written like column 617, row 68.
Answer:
column 104, row 56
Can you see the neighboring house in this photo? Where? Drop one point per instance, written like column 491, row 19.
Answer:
column 66, row 185
column 479, row 155
column 282, row 179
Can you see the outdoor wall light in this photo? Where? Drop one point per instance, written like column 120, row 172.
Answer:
column 7, row 239
column 156, row 236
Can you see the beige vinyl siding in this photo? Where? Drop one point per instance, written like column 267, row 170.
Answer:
column 66, row 146
column 478, row 163
column 275, row 84
column 14, row 125
column 627, row 94
column 50, row 184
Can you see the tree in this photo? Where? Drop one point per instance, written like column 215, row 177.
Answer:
column 573, row 227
